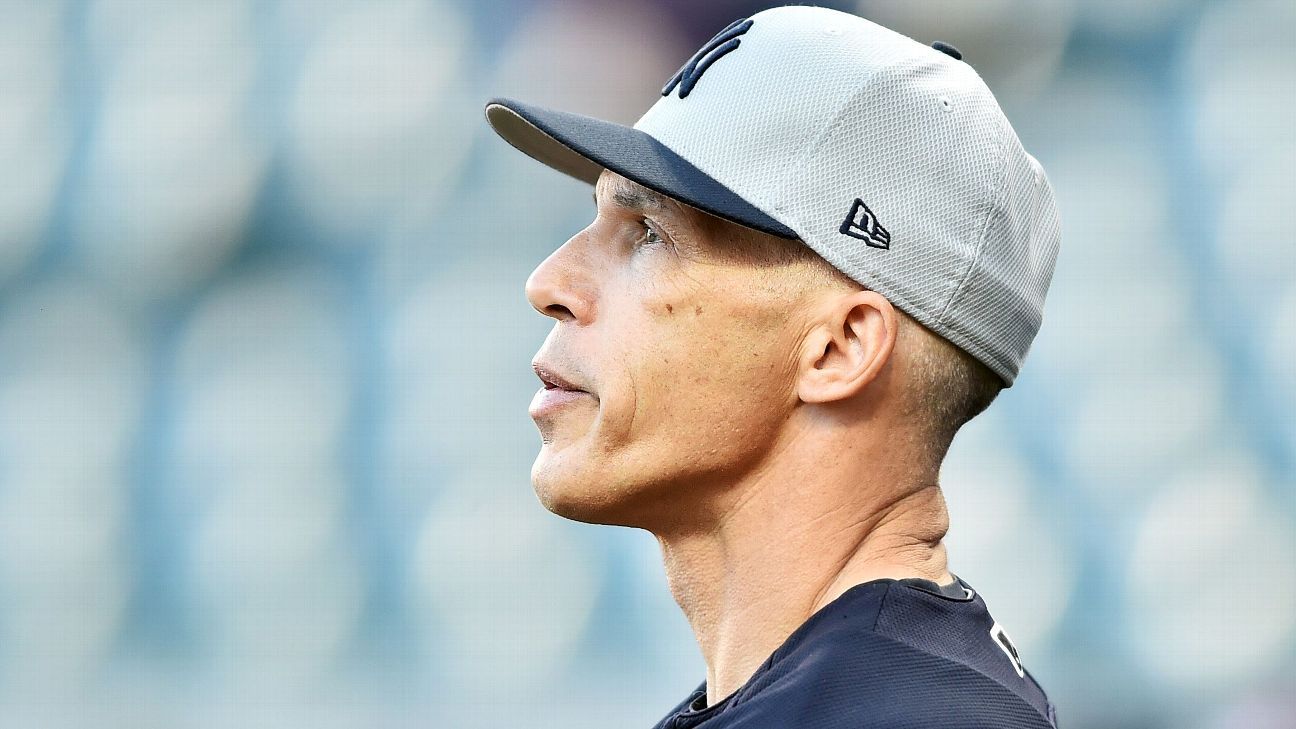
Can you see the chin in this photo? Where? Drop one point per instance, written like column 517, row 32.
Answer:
column 567, row 494
column 580, row 493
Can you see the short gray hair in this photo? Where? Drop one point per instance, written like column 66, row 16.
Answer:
column 946, row 386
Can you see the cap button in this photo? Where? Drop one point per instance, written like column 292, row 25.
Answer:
column 948, row 50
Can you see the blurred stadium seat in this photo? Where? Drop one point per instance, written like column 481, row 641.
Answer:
column 264, row 355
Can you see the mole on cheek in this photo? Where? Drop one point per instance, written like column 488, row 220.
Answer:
column 697, row 310
column 670, row 309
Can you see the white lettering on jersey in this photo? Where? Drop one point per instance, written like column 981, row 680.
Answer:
column 1005, row 644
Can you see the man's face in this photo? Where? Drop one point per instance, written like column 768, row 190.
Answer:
column 684, row 353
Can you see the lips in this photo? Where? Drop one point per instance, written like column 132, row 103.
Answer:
column 554, row 381
column 558, row 394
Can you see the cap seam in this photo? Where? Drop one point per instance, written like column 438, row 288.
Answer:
column 996, row 204
column 813, row 148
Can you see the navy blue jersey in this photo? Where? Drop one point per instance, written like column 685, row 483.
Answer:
column 886, row 654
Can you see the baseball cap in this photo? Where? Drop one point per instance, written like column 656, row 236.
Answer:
column 889, row 158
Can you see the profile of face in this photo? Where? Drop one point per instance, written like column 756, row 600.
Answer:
column 673, row 363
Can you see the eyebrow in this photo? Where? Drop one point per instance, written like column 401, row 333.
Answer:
column 635, row 198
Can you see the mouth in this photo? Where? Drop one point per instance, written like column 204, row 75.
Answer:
column 553, row 381
column 558, row 394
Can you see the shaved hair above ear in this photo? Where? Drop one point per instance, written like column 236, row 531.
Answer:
column 945, row 386
column 747, row 245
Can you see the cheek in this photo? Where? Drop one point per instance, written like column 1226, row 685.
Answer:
column 705, row 382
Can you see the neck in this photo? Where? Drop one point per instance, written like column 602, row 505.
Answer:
column 775, row 557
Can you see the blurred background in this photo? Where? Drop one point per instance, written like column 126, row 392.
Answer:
column 264, row 365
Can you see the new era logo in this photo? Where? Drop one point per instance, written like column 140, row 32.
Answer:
column 863, row 224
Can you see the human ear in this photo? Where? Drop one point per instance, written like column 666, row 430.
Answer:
column 848, row 347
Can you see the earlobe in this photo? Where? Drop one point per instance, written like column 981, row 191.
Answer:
column 848, row 348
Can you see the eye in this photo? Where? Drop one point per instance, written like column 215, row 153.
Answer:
column 651, row 236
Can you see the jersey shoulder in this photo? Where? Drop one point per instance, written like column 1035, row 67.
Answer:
column 877, row 682
column 923, row 660
column 886, row 655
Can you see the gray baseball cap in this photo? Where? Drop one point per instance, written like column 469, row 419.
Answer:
column 889, row 158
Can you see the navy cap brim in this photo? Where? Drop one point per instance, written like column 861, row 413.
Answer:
column 582, row 147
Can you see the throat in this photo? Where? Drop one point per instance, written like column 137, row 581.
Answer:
column 746, row 585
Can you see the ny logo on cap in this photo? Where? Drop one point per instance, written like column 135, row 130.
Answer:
column 724, row 42
column 863, row 224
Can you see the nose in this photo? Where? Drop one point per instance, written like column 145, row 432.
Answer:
column 561, row 286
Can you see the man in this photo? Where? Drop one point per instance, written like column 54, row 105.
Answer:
column 820, row 253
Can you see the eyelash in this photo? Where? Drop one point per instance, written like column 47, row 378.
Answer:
column 650, row 230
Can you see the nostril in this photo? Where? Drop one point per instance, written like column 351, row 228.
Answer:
column 558, row 311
